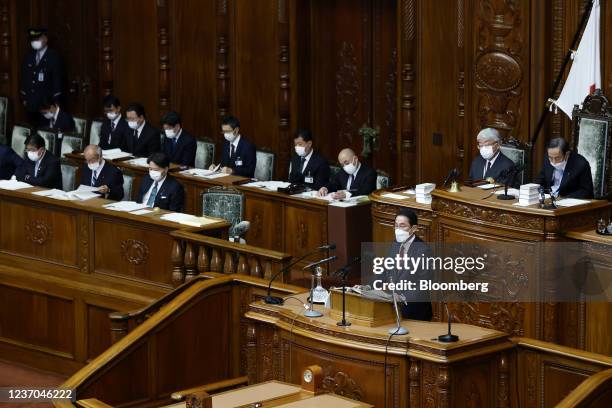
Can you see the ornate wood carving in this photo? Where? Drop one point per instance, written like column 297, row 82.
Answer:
column 37, row 231
column 223, row 76
column 5, row 45
column 340, row 383
column 503, row 386
column 531, row 379
column 430, row 373
column 443, row 384
column 415, row 382
column 407, row 117
column 84, row 243
column 284, row 106
column 348, row 93
column 190, row 261
column 251, row 346
column 164, row 56
column 460, row 60
column 499, row 65
column 134, row 251
column 559, row 48
column 106, row 36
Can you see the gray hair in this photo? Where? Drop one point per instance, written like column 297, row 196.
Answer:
column 489, row 134
column 95, row 148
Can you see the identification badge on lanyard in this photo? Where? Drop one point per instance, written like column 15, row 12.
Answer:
column 41, row 76
column 309, row 179
column 238, row 162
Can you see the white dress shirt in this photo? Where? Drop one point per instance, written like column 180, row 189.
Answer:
column 492, row 161
column 349, row 182
column 307, row 159
column 139, row 129
column 37, row 164
column 145, row 198
column 96, row 173
column 557, row 176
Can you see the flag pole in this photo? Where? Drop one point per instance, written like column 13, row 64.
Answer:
column 583, row 22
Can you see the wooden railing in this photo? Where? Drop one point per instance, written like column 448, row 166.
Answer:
column 193, row 254
column 594, row 392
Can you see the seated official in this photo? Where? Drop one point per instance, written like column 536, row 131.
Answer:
column 356, row 178
column 307, row 166
column 98, row 173
column 565, row 173
column 178, row 145
column 55, row 118
column 407, row 243
column 491, row 162
column 42, row 168
column 115, row 129
column 159, row 189
column 238, row 156
column 142, row 139
column 9, row 162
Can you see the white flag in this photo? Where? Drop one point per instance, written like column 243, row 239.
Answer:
column 585, row 75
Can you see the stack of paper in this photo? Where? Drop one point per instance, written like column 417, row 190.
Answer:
column 140, row 162
column 13, row 184
column 113, row 154
column 529, row 194
column 423, row 192
column 198, row 172
column 269, row 185
column 125, row 206
column 187, row 219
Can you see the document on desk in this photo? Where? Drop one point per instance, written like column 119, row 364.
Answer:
column 216, row 175
column 511, row 191
column 571, row 202
column 198, row 172
column 125, row 206
column 47, row 193
column 349, row 203
column 269, row 185
column 141, row 212
column 140, row 162
column 84, row 194
column 13, row 185
column 395, row 196
column 113, row 154
column 188, row 219
column 488, row 186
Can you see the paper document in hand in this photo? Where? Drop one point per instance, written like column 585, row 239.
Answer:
column 13, row 185
column 126, row 206
column 83, row 187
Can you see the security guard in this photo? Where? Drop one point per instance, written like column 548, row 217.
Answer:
column 41, row 75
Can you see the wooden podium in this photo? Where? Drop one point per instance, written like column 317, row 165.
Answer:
column 360, row 310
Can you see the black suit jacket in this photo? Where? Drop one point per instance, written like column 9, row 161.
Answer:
column 146, row 144
column 118, row 136
column 576, row 182
column 419, row 303
column 49, row 172
column 9, row 162
column 63, row 123
column 245, row 152
column 317, row 168
column 49, row 69
column 171, row 195
column 501, row 164
column 109, row 176
column 363, row 184
column 185, row 150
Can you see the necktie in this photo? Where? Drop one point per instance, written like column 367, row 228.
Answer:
column 37, row 58
column 350, row 182
column 52, row 123
column 231, row 150
column 151, row 200
column 487, row 167
column 94, row 178
column 136, row 134
column 303, row 159
column 112, row 126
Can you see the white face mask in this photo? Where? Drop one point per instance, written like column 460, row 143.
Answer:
column 36, row 44
column 300, row 150
column 133, row 124
column 156, row 175
column 170, row 133
column 401, row 235
column 34, row 156
column 487, row 152
column 559, row 166
column 93, row 166
column 350, row 168
column 112, row 115
column 48, row 115
column 229, row 136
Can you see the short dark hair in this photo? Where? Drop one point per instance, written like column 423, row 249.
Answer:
column 231, row 122
column 110, row 101
column 135, row 107
column 35, row 140
column 559, row 142
column 412, row 217
column 46, row 103
column 159, row 158
column 305, row 134
column 171, row 118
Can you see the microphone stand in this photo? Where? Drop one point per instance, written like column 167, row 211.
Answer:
column 398, row 329
column 448, row 337
column 344, row 322
column 311, row 312
column 509, row 179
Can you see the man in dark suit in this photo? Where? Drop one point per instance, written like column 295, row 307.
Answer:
column 115, row 130
column 42, row 168
column 356, row 178
column 565, row 173
column 307, row 166
column 178, row 145
column 55, row 118
column 9, row 162
column 98, row 173
column 142, row 139
column 491, row 162
column 238, row 156
column 41, row 74
column 406, row 242
column 159, row 189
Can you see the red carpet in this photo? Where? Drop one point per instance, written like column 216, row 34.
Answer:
column 15, row 375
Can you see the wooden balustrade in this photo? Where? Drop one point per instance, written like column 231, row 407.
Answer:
column 594, row 392
column 194, row 254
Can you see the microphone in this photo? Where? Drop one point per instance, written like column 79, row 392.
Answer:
column 322, row 261
column 454, row 173
column 275, row 300
column 342, row 272
column 542, row 196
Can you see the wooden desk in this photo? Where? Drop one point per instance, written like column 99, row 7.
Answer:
column 278, row 221
column 419, row 370
column 383, row 216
